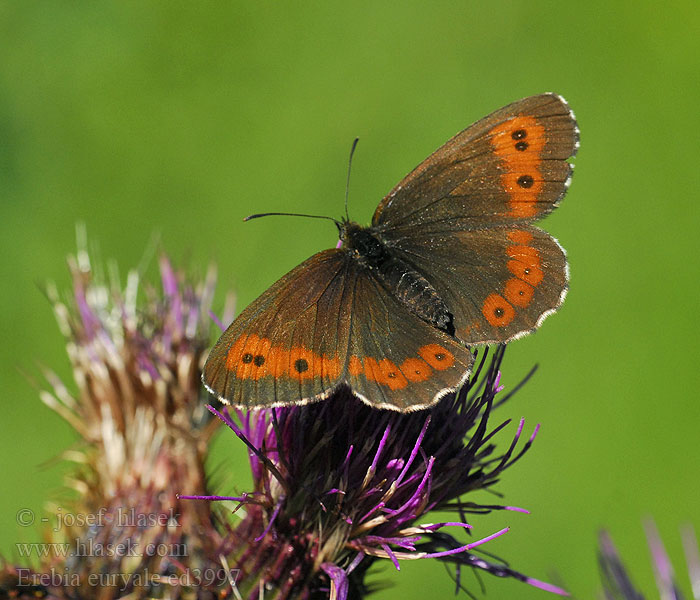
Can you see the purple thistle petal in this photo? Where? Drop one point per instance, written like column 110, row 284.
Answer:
column 467, row 546
column 226, row 419
column 380, row 447
column 391, row 555
column 547, row 587
column 370, row 512
column 436, row 526
column 272, row 520
column 217, row 321
column 414, row 451
column 403, row 542
column 147, row 365
column 243, row 498
column 444, row 553
column 660, row 561
column 355, row 562
column 516, row 509
column 489, row 537
column 416, row 496
column 339, row 581
column 89, row 319
column 521, row 424
column 692, row 558
column 496, row 385
column 168, row 278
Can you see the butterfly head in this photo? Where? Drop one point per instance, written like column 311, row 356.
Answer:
column 361, row 241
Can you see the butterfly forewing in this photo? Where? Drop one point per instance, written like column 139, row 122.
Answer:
column 289, row 345
column 509, row 167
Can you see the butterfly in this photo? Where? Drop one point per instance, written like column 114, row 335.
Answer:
column 450, row 260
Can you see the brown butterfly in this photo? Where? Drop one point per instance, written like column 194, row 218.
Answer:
column 450, row 260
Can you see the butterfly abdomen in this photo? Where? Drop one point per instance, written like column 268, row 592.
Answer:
column 416, row 292
column 410, row 287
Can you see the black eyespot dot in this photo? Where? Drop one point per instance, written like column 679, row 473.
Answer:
column 248, row 357
column 520, row 146
column 498, row 312
column 519, row 134
column 391, row 375
column 259, row 360
column 525, row 181
column 439, row 356
column 300, row 365
column 527, row 271
column 521, row 293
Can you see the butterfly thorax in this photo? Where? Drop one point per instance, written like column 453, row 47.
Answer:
column 406, row 283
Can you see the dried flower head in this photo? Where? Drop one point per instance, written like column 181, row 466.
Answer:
column 140, row 411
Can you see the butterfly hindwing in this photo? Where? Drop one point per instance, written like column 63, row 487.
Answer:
column 509, row 167
column 498, row 283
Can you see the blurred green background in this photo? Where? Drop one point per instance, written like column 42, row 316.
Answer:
column 181, row 118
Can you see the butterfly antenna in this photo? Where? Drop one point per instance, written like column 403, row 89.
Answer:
column 286, row 214
column 347, row 183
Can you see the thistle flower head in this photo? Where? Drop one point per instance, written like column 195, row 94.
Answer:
column 339, row 485
column 138, row 407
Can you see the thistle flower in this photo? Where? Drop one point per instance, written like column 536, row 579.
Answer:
column 140, row 412
column 617, row 583
column 339, row 486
